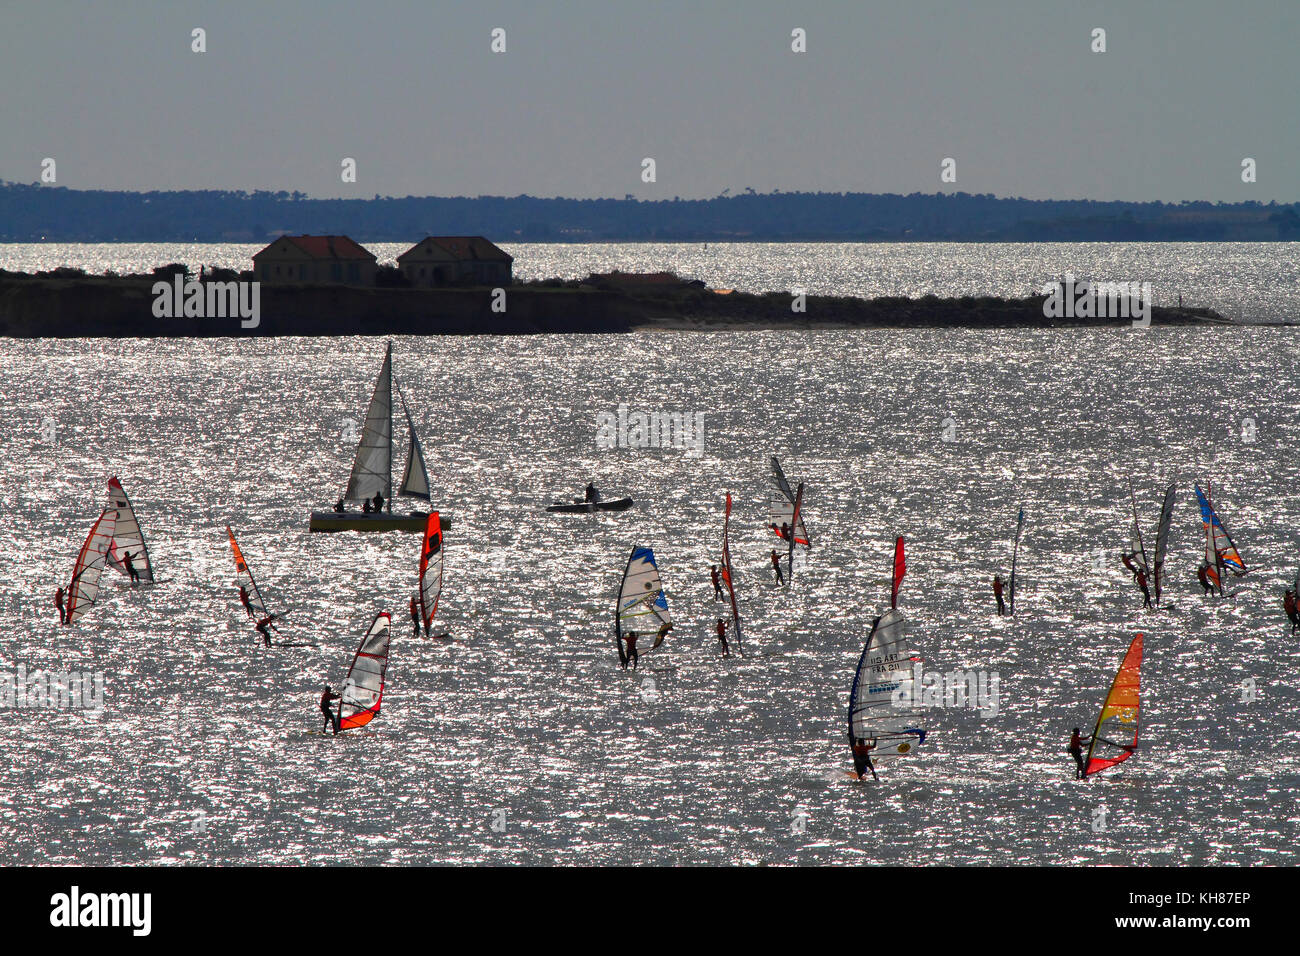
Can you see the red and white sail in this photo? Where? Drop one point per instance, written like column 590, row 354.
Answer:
column 83, row 590
column 363, row 690
column 127, row 536
column 430, row 570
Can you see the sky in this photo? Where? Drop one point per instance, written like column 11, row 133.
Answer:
column 711, row 91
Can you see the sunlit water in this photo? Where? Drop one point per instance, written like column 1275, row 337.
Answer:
column 1248, row 281
column 204, row 750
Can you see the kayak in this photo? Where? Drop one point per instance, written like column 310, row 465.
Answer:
column 586, row 507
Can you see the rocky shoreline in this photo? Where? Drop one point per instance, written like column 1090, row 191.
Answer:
column 52, row 305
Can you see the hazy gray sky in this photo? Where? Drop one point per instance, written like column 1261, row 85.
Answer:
column 710, row 90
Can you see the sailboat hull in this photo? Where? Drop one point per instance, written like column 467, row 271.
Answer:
column 383, row 521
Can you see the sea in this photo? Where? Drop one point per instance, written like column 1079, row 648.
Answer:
column 520, row 740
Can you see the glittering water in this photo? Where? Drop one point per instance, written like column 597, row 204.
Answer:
column 1249, row 281
column 203, row 752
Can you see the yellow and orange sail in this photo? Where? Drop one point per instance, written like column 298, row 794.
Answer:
column 1116, row 735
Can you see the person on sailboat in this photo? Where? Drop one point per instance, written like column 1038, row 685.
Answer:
column 130, row 569
column 365, row 506
column 338, row 507
column 722, row 637
column 717, row 583
column 330, row 716
column 776, row 566
column 1146, row 592
column 592, row 495
column 1076, row 751
column 1203, row 575
column 58, row 602
column 243, row 599
column 415, row 616
column 997, row 593
column 378, row 502
column 631, row 656
column 862, row 757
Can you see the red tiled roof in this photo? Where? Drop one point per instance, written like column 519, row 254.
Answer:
column 463, row 248
column 325, row 247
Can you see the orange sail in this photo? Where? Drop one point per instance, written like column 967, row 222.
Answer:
column 1116, row 735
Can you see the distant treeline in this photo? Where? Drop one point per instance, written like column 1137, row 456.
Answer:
column 32, row 213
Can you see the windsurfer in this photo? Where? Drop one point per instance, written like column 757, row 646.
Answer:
column 1076, row 751
column 1127, row 558
column 717, row 583
column 785, row 531
column 631, row 657
column 1292, row 612
column 130, row 569
column 415, row 617
column 862, row 748
column 58, row 602
column 776, row 566
column 722, row 637
column 243, row 599
column 1146, row 592
column 1203, row 575
column 330, row 716
column 263, row 629
column 663, row 632
column 997, row 593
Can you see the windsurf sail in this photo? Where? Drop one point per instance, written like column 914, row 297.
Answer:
column 372, row 470
column 900, row 568
column 1162, row 536
column 1136, row 546
column 1220, row 549
column 430, row 569
column 1116, row 735
column 1015, row 553
column 83, row 590
column 797, row 514
column 781, row 511
column 642, row 604
column 363, row 690
column 884, row 705
column 729, row 576
column 415, row 479
column 127, row 536
column 244, row 578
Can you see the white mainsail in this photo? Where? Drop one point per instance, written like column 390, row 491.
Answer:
column 372, row 471
column 782, row 512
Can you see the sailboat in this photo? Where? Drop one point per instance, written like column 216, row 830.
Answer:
column 729, row 576
column 83, row 589
column 1115, row 736
column 127, row 537
column 884, row 704
column 363, row 689
column 372, row 469
column 1220, row 550
column 642, row 605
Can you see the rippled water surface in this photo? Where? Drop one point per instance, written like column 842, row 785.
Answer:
column 203, row 752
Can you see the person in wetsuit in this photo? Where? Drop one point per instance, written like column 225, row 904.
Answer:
column 1146, row 592
column 722, row 637
column 378, row 502
column 58, row 602
column 263, row 628
column 130, row 569
column 776, row 566
column 631, row 656
column 1203, row 575
column 997, row 593
column 1076, row 751
column 717, row 583
column 862, row 757
column 330, row 716
column 1292, row 611
column 1127, row 558
column 415, row 616
column 338, row 507
column 243, row 599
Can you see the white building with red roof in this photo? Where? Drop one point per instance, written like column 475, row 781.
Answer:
column 315, row 259
column 456, row 260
